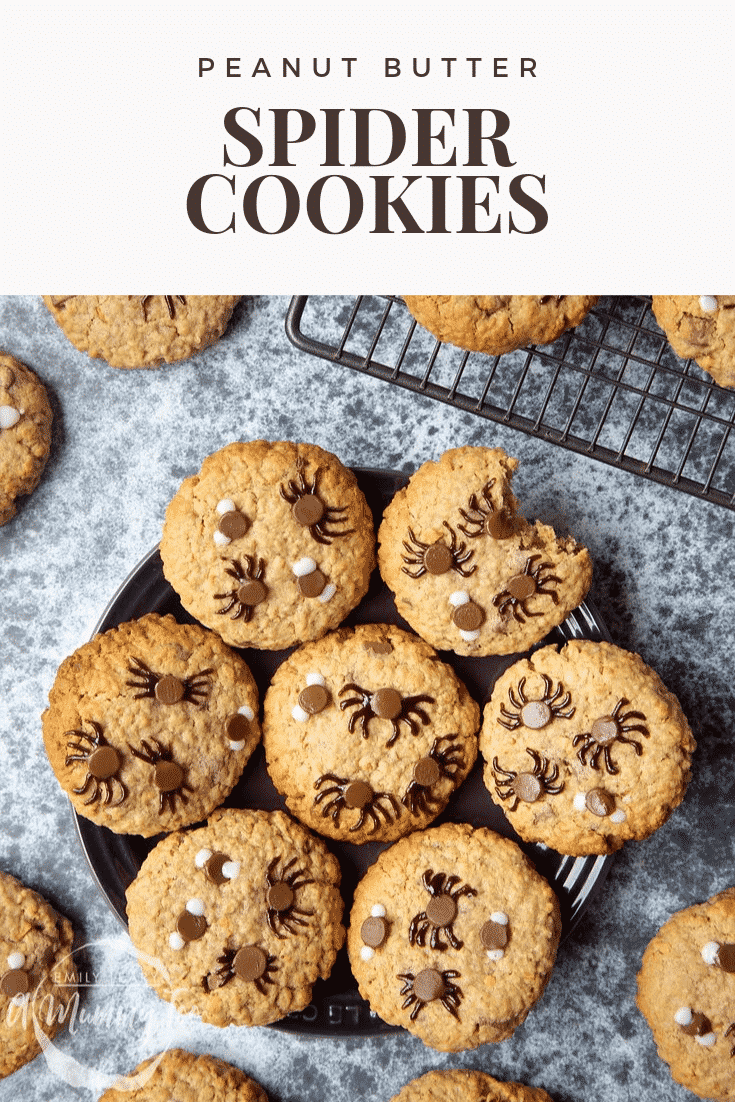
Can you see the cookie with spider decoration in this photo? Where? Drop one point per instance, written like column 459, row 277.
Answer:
column 25, row 432
column 36, row 971
column 367, row 734
column 585, row 748
column 150, row 724
column 141, row 330
column 466, row 1085
column 270, row 545
column 245, row 914
column 160, row 1079
column 686, row 992
column 468, row 572
column 453, row 935
column 701, row 328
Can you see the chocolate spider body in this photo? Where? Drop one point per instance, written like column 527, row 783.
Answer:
column 604, row 732
column 168, row 775
column 427, row 771
column 384, row 703
column 310, row 511
column 520, row 588
column 168, row 689
column 528, row 787
column 250, row 591
column 344, row 793
column 441, row 911
column 428, row 985
column 483, row 519
column 251, row 964
column 281, row 910
column 102, row 761
column 535, row 713
column 437, row 557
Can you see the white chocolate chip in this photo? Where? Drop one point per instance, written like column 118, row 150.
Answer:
column 708, row 303
column 221, row 539
column 710, row 951
column 367, row 953
column 469, row 636
column 378, row 911
column 176, row 941
column 495, row 954
column 579, row 802
column 195, row 907
column 299, row 714
column 459, row 597
column 16, row 960
column 315, row 679
column 618, row 817
column 500, row 917
column 683, row 1016
column 246, row 711
column 9, row 416
column 231, row 870
column 226, row 506
column 302, row 567
column 202, row 857
column 237, row 744
column 708, row 1040
column 327, row 593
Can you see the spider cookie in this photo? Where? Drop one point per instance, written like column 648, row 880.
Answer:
column 150, row 724
column 25, row 432
column 686, row 991
column 464, row 1085
column 271, row 544
column 244, row 914
column 367, row 734
column 37, row 974
column 499, row 323
column 701, row 328
column 453, row 934
column 468, row 572
column 141, row 330
column 180, row 1075
column 585, row 747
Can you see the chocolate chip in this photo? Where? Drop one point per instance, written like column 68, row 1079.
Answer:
column 280, row 896
column 250, row 963
column 386, row 703
column 521, row 587
column 599, row 802
column 213, row 868
column 168, row 776
column 308, row 510
column 191, row 927
column 313, row 699
column 233, row 524
column 311, row 585
column 468, row 617
column 699, row 1025
column 15, row 982
column 237, row 727
column 499, row 526
column 726, row 957
column 373, row 932
column 169, row 690
column 441, row 910
column 428, row 985
column 527, row 787
column 104, row 763
column 426, row 772
column 357, row 794
column 379, row 648
column 697, row 331
column 252, row 593
column 438, row 558
column 605, row 730
column 494, row 935
column 535, row 715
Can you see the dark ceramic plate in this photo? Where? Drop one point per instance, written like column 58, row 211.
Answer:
column 337, row 1008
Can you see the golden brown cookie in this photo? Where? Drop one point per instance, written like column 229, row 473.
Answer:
column 176, row 1074
column 38, row 978
column 25, row 432
column 141, row 330
column 499, row 323
column 701, row 328
column 150, row 724
column 271, row 544
column 468, row 572
column 686, row 990
column 239, row 918
column 465, row 1085
column 367, row 733
column 585, row 747
column 453, row 934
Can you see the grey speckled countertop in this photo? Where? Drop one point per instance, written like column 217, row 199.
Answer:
column 122, row 443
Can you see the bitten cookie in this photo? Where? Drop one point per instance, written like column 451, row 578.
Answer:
column 271, row 544
column 701, row 328
column 453, row 934
column 241, row 917
column 464, row 1085
column 686, row 990
column 176, row 1074
column 367, row 733
column 499, row 323
column 141, row 330
column 585, row 747
column 25, row 432
column 38, row 978
column 468, row 572
column 150, row 724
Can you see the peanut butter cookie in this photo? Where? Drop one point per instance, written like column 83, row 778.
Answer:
column 464, row 1085
column 25, row 432
column 701, row 328
column 182, row 1076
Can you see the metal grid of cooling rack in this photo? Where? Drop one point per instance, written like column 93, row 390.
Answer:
column 612, row 388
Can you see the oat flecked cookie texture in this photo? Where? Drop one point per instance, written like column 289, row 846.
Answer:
column 141, row 330
column 150, row 724
column 701, row 328
column 183, row 1077
column 38, row 976
column 469, row 573
column 271, row 544
column 25, row 432
column 243, row 914
column 686, row 990
column 453, row 935
column 499, row 323
column 367, row 733
column 465, row 1085
column 585, row 748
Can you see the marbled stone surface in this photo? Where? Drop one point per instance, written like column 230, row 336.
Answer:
column 122, row 443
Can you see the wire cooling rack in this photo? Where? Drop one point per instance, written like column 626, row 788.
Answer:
column 612, row 388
